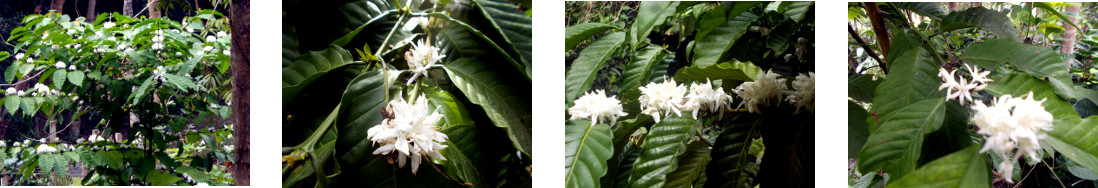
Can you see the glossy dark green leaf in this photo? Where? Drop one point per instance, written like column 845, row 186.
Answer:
column 360, row 110
column 581, row 32
column 990, row 20
column 486, row 88
column 462, row 144
column 586, row 150
column 691, row 165
column 513, row 25
column 965, row 168
column 931, row 10
column 740, row 71
column 911, row 78
column 861, row 87
column 857, row 131
column 796, row 10
column 1038, row 61
column 309, row 67
column 649, row 15
column 662, row 146
column 637, row 73
column 731, row 157
column 710, row 49
column 896, row 145
column 592, row 59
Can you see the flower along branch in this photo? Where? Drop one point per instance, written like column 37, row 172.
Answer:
column 691, row 104
column 155, row 88
column 407, row 93
column 1000, row 112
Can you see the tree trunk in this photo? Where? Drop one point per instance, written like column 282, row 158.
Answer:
column 127, row 7
column 57, row 5
column 91, row 10
column 879, row 28
column 154, row 10
column 953, row 6
column 239, row 22
column 1067, row 45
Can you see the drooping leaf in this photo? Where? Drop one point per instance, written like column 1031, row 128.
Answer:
column 965, row 168
column 649, row 15
column 1048, row 8
column 741, row 71
column 579, row 33
column 710, row 49
column 513, row 25
column 857, row 130
column 309, row 67
column 731, row 157
column 796, row 10
column 504, row 106
column 932, row 10
column 1035, row 60
column 586, row 150
column 583, row 71
column 662, row 146
column 911, row 78
column 691, row 166
column 990, row 20
column 896, row 145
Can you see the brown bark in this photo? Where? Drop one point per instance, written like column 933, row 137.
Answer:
column 239, row 22
column 57, row 5
column 154, row 8
column 91, row 10
column 879, row 28
column 127, row 7
column 1067, row 45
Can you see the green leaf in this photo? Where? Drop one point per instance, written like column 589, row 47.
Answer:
column 513, row 25
column 504, row 106
column 731, row 157
column 453, row 111
column 990, row 20
column 143, row 90
column 662, row 146
column 579, row 33
column 932, row 10
column 181, row 82
column 457, row 44
column 311, row 66
column 691, row 165
column 911, row 78
column 59, row 78
column 638, row 71
column 796, row 10
column 11, row 103
column 157, row 178
column 1085, row 107
column 857, row 131
column 46, row 163
column 112, row 158
column 11, row 71
column 1035, row 60
column 198, row 175
column 289, row 44
column 649, row 15
column 586, row 150
column 462, row 145
column 1017, row 84
column 585, row 69
column 709, row 49
column 618, row 175
column 76, row 77
column 861, row 87
column 359, row 110
column 965, row 168
column 741, row 71
column 1048, row 8
column 895, row 146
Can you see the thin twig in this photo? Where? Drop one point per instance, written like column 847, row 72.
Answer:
column 868, row 50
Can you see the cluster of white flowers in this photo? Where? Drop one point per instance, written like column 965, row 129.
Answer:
column 19, row 56
column 766, row 88
column 60, row 65
column 660, row 99
column 420, row 58
column 804, row 94
column 43, row 90
column 409, row 131
column 703, row 97
column 108, row 25
column 158, row 40
column 595, row 106
column 1011, row 124
column 43, row 148
column 159, row 73
column 962, row 90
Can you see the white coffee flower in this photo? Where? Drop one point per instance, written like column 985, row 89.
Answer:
column 43, row 148
column 108, row 25
column 60, row 65
column 10, row 91
column 71, row 32
column 202, row 184
column 221, row 34
column 19, row 56
column 21, row 93
column 3, row 144
column 72, row 67
column 1012, row 125
column 804, row 94
column 210, row 38
column 157, row 46
column 159, row 73
column 662, row 98
column 420, row 58
column 596, row 105
column 41, row 89
column 207, row 48
column 226, row 52
column 766, row 87
column 409, row 133
column 703, row 97
column 962, row 90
